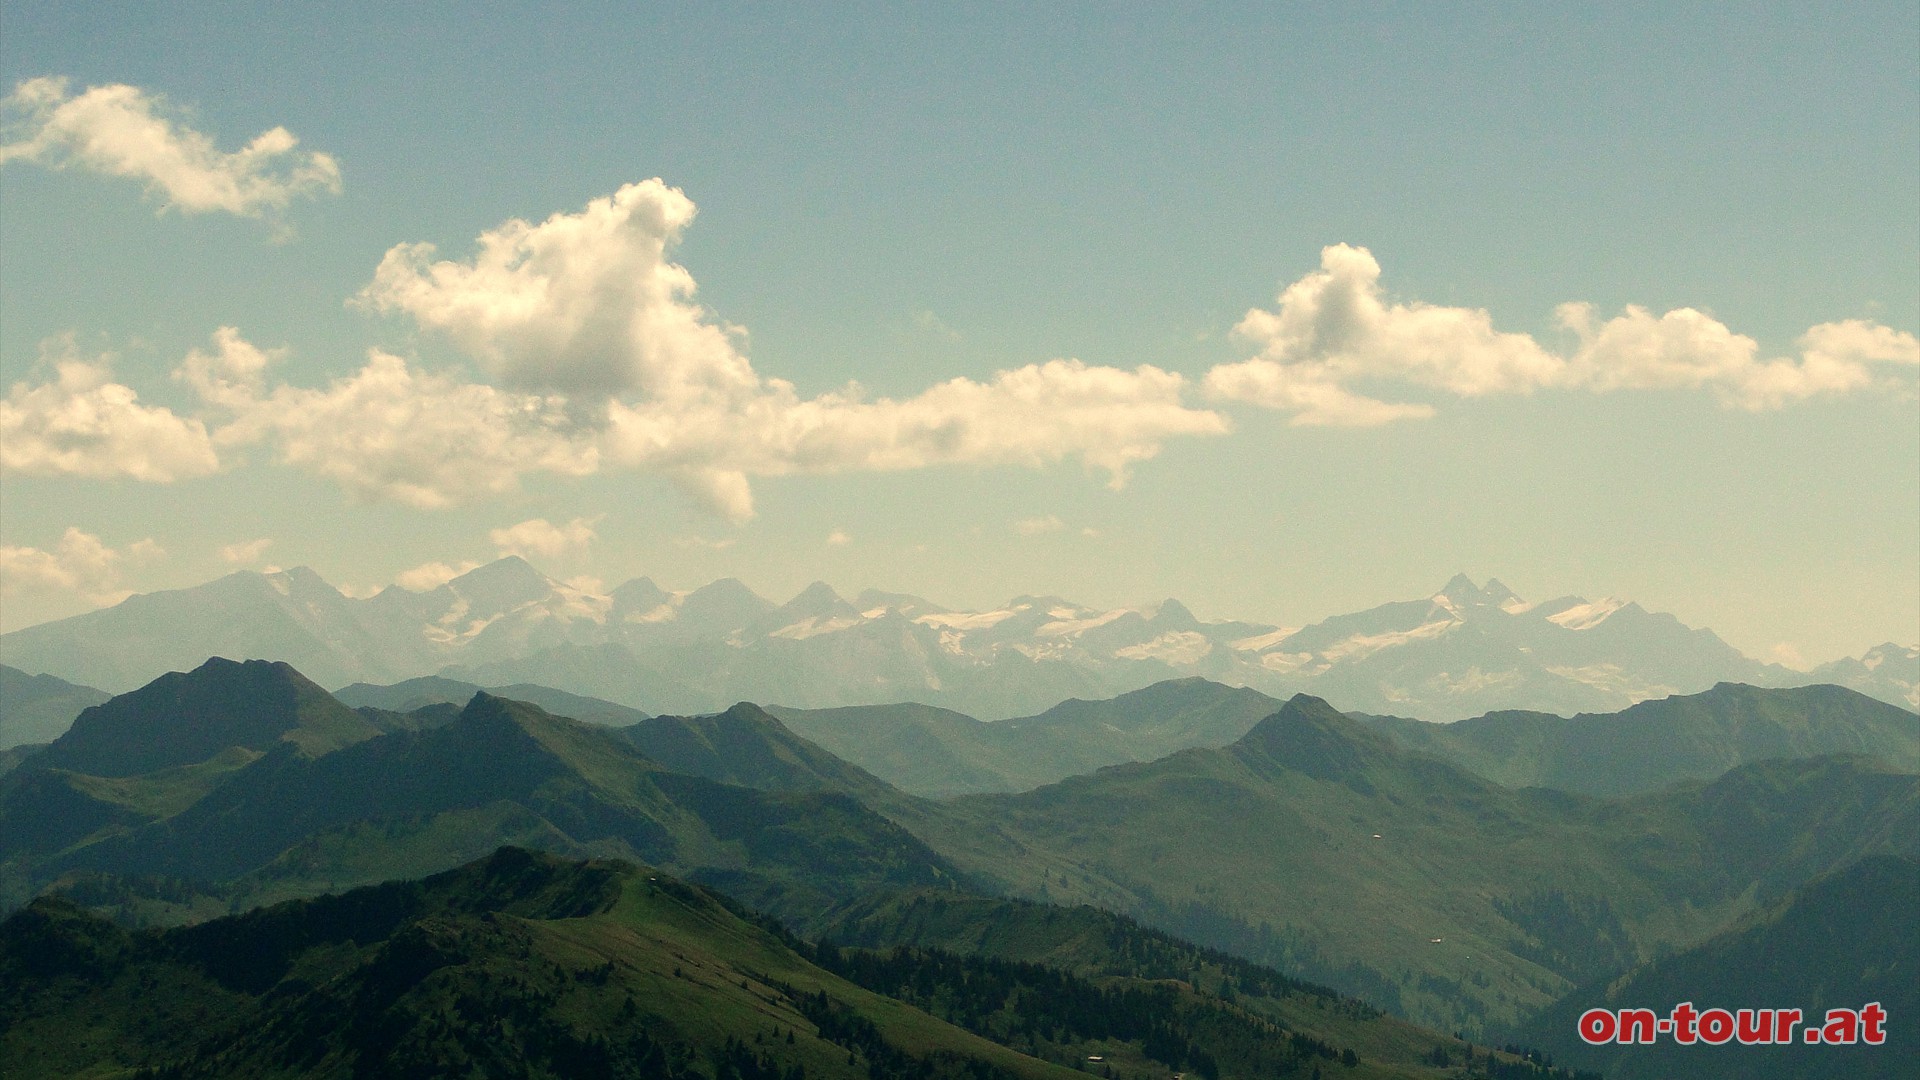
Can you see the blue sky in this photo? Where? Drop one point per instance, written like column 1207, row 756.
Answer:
column 903, row 197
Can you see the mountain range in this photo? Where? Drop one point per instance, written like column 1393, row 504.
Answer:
column 1465, row 650
column 1314, row 841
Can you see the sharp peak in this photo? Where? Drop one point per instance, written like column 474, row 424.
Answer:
column 219, row 667
column 1171, row 608
column 502, row 566
column 725, row 585
column 1310, row 736
column 817, row 592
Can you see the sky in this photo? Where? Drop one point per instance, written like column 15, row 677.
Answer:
column 1282, row 310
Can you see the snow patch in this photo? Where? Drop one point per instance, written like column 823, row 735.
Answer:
column 963, row 620
column 1175, row 647
column 1066, row 627
column 814, row 626
column 1263, row 642
column 1587, row 616
column 1360, row 646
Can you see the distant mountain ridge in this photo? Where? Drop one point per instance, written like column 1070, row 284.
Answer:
column 1466, row 650
column 1840, row 941
column 39, row 708
column 1655, row 743
column 1314, row 841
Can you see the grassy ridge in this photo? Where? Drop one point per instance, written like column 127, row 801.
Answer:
column 521, row 964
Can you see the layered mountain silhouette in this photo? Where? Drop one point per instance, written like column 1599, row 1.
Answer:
column 1841, row 941
column 518, row 964
column 39, row 708
column 282, row 790
column 1465, row 650
column 1315, row 842
column 1655, row 743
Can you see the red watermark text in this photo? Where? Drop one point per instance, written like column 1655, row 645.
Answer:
column 1688, row 1026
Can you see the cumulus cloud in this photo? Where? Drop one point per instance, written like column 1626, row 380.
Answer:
column 79, row 566
column 390, row 432
column 245, row 552
column 429, row 576
column 1035, row 415
column 1036, row 525
column 541, row 537
column 120, row 130
column 1334, row 339
column 82, row 423
column 839, row 538
column 588, row 307
column 585, row 303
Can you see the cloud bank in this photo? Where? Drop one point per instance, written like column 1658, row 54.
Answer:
column 119, row 130
column 600, row 359
column 82, row 423
column 588, row 308
column 1334, row 333
column 543, row 538
column 79, row 565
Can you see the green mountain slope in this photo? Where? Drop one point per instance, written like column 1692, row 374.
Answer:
column 1101, row 945
column 258, row 826
column 1318, row 846
column 520, row 964
column 413, row 694
column 39, row 708
column 935, row 752
column 1840, row 942
column 185, row 718
column 749, row 747
column 1655, row 743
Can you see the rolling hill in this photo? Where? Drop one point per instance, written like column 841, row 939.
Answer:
column 282, row 809
column 1317, row 845
column 39, row 708
column 518, row 964
column 1655, row 743
column 1838, row 942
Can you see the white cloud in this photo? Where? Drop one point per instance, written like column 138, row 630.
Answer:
column 588, row 306
column 79, row 566
column 119, row 130
column 1333, row 333
column 418, row 438
column 585, row 303
column 232, row 377
column 1036, row 525
column 432, row 575
column 839, row 538
column 84, row 424
column 245, row 552
column 541, row 537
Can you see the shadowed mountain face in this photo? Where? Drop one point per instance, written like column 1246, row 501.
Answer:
column 1465, row 650
column 519, row 964
column 1317, row 845
column 748, row 747
column 1839, row 942
column 183, row 719
column 1656, row 743
column 1312, row 843
column 937, row 753
column 39, row 708
column 427, row 690
column 272, row 813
